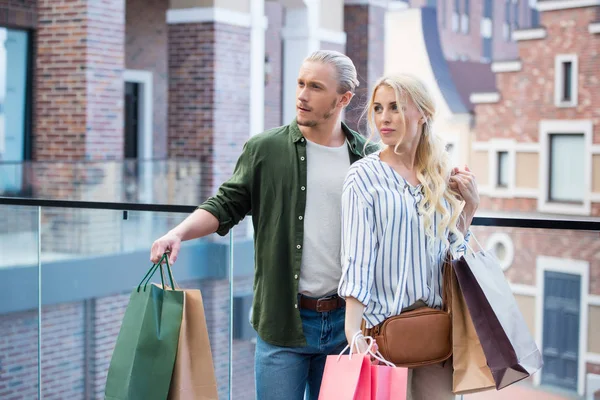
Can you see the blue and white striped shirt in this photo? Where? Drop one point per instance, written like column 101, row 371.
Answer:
column 384, row 242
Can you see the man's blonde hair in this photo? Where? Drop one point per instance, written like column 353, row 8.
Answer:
column 344, row 67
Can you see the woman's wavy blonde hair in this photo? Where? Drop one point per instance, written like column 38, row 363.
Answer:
column 432, row 161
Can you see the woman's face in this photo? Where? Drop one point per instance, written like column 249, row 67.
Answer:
column 388, row 113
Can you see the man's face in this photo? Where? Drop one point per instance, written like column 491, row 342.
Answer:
column 317, row 99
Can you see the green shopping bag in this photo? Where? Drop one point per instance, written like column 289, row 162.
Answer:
column 144, row 356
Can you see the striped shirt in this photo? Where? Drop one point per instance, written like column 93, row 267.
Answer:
column 384, row 243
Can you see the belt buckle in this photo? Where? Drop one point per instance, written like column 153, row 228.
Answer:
column 319, row 309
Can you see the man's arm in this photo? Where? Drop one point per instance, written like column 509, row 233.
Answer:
column 199, row 224
column 217, row 214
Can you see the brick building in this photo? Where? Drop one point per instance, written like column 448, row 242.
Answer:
column 479, row 30
column 140, row 101
column 91, row 84
column 536, row 150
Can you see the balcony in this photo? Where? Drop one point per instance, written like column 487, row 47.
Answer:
column 68, row 268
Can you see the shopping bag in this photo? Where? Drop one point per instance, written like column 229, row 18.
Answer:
column 471, row 372
column 142, row 362
column 388, row 382
column 193, row 374
column 354, row 377
column 346, row 377
column 509, row 348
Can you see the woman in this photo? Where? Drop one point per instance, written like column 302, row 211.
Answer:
column 403, row 208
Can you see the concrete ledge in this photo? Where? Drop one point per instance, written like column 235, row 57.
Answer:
column 84, row 278
column 529, row 34
column 485, row 98
column 507, row 66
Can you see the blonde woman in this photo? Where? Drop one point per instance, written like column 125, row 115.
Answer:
column 403, row 207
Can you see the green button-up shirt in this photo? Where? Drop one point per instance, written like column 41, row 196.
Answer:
column 269, row 181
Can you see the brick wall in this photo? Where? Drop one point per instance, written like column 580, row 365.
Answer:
column 457, row 44
column 209, row 97
column 79, row 83
column 504, row 204
column 18, row 355
column 531, row 243
column 502, row 49
column 18, row 13
column 146, row 49
column 69, row 371
column 63, row 352
column 527, row 96
column 469, row 45
column 107, row 318
column 365, row 45
column 274, row 49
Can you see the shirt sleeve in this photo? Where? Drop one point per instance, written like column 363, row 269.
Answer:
column 232, row 202
column 462, row 248
column 359, row 247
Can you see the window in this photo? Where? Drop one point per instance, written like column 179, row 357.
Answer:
column 487, row 53
column 455, row 16
column 565, row 91
column 567, row 157
column 516, row 23
column 14, row 106
column 464, row 21
column 487, row 30
column 503, row 174
column 432, row 3
column 506, row 27
column 567, row 70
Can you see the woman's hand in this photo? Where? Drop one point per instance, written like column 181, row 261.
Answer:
column 463, row 182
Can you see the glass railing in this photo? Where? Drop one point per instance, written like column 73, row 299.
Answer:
column 67, row 269
column 155, row 181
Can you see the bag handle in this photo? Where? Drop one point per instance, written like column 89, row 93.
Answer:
column 370, row 341
column 152, row 271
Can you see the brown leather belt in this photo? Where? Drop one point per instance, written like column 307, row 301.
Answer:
column 324, row 304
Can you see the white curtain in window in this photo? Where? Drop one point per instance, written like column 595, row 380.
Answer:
column 567, row 167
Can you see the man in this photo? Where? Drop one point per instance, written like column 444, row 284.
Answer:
column 291, row 179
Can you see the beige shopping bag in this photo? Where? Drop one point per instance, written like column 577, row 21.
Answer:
column 193, row 376
column 471, row 372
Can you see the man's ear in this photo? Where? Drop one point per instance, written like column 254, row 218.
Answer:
column 346, row 98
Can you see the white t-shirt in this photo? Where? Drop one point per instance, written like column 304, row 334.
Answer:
column 321, row 270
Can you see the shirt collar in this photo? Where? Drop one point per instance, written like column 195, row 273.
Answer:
column 351, row 136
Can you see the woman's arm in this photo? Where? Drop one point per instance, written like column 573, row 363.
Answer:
column 354, row 315
column 359, row 248
column 463, row 182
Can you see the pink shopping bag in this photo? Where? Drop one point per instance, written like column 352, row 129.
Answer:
column 354, row 377
column 388, row 383
column 346, row 377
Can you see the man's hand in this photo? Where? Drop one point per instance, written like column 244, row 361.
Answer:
column 168, row 243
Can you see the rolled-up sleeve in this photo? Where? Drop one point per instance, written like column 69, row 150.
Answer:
column 359, row 247
column 462, row 246
column 232, row 202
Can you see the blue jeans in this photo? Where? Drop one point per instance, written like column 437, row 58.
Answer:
column 288, row 373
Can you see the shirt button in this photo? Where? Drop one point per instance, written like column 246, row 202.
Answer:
column 303, row 188
column 295, row 276
column 302, row 140
column 300, row 218
column 302, row 158
column 298, row 247
column 295, row 305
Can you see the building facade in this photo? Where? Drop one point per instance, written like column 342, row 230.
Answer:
column 536, row 151
column 480, row 30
